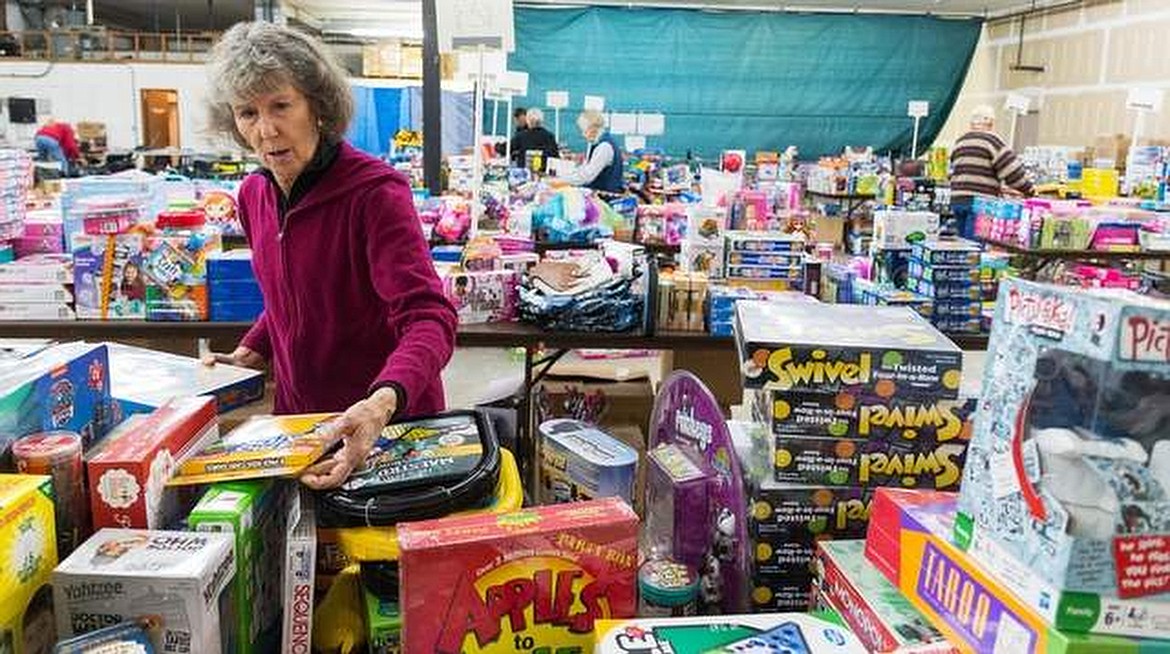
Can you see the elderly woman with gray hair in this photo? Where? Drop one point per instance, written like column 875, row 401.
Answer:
column 602, row 170
column 355, row 319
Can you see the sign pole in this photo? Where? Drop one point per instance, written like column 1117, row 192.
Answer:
column 477, row 150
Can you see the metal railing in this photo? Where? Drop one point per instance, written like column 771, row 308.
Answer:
column 100, row 44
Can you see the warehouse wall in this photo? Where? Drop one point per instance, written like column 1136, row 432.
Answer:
column 1094, row 54
column 107, row 93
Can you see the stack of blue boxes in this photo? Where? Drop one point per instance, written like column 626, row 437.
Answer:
column 234, row 294
column 949, row 272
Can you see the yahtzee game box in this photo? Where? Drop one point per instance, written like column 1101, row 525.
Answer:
column 522, row 581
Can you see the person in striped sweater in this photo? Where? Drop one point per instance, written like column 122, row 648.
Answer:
column 982, row 164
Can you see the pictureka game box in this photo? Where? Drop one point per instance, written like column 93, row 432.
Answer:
column 520, row 581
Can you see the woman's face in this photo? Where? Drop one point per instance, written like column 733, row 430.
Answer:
column 281, row 129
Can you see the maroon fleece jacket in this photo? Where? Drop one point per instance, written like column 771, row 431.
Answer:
column 351, row 299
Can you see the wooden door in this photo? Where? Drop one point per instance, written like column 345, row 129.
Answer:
column 160, row 118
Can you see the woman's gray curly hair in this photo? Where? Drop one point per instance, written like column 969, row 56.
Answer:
column 255, row 58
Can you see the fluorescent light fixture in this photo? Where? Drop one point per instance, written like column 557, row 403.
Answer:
column 403, row 30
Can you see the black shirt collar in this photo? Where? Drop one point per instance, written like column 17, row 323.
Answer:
column 323, row 158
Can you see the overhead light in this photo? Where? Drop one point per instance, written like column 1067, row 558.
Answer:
column 404, row 31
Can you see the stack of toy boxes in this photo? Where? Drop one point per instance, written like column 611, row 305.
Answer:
column 175, row 263
column 765, row 261
column 1000, row 221
column 877, row 612
column 703, row 249
column 232, row 288
column 254, row 513
column 852, row 398
column 1058, row 542
column 883, row 295
column 16, row 179
column 43, row 233
column 37, row 288
column 721, row 301
column 949, row 273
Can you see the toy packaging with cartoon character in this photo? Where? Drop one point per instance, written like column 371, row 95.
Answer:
column 172, row 581
column 62, row 387
column 29, row 551
column 1069, row 467
column 109, row 279
column 521, row 581
column 789, row 633
column 484, row 295
column 128, row 478
column 175, row 263
column 254, row 512
column 143, row 380
column 883, row 620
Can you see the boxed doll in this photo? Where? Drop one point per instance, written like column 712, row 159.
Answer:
column 109, row 281
column 1069, row 465
column 883, row 620
column 536, row 578
column 795, row 633
column 27, row 545
column 127, row 479
column 890, row 351
column 253, row 512
column 171, row 579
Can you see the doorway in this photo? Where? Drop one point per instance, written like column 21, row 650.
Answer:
column 160, row 118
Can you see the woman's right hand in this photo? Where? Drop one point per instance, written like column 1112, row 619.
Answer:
column 242, row 357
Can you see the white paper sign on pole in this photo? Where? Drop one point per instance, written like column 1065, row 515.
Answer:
column 635, row 143
column 1018, row 103
column 494, row 63
column 595, row 102
column 1144, row 98
column 512, row 83
column 466, row 24
column 918, row 109
column 620, row 123
column 651, row 124
column 557, row 99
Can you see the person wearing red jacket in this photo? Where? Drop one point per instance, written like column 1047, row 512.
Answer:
column 355, row 319
column 55, row 142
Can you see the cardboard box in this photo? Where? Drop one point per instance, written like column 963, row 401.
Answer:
column 798, row 633
column 172, row 578
column 550, row 572
column 143, row 380
column 895, row 229
column 909, row 544
column 62, row 387
column 254, row 514
column 299, row 574
column 883, row 620
column 1072, row 372
column 127, row 479
column 28, row 545
column 39, row 269
column 890, row 351
column 864, row 440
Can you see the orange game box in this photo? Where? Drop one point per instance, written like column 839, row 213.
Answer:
column 531, row 580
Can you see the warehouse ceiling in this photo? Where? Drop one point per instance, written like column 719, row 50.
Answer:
column 402, row 18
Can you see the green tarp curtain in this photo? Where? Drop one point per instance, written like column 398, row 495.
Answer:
column 753, row 80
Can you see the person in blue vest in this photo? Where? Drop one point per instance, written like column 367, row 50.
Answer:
column 602, row 170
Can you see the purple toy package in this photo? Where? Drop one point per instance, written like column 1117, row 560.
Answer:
column 695, row 488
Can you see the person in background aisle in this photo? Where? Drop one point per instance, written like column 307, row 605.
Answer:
column 520, row 125
column 536, row 137
column 56, row 142
column 602, row 170
column 354, row 319
column 982, row 164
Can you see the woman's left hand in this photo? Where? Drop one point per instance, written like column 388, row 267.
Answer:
column 359, row 427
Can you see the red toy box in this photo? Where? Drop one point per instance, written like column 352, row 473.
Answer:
column 535, row 579
column 127, row 480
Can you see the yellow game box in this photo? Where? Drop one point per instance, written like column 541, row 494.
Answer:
column 28, row 552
